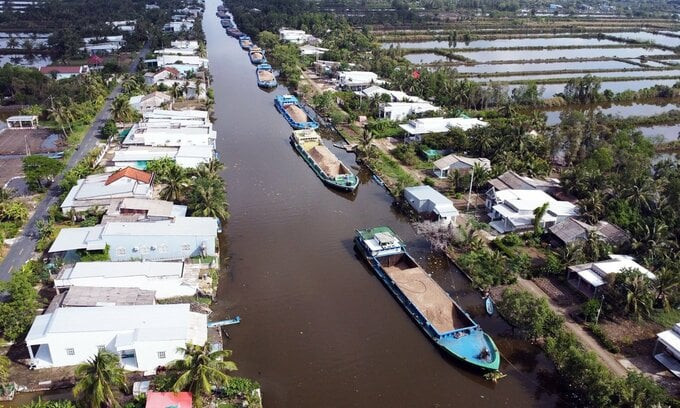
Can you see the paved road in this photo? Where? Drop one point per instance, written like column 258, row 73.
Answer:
column 24, row 246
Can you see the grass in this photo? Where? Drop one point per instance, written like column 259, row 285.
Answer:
column 388, row 167
column 666, row 318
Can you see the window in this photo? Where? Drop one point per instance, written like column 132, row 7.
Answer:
column 163, row 248
column 70, row 352
column 186, row 247
column 120, row 251
column 161, row 354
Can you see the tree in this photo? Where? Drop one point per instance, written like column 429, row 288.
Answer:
column 39, row 168
column 539, row 212
column 207, row 198
column 175, row 184
column 529, row 313
column 210, row 169
column 121, row 109
column 666, row 286
column 13, row 211
column 16, row 314
column 109, row 130
column 57, row 113
column 97, row 379
column 200, row 370
column 12, row 43
column 268, row 40
column 4, row 369
column 635, row 290
column 366, row 144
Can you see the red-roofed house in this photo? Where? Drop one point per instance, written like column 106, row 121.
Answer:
column 150, row 78
column 64, row 71
column 168, row 399
column 131, row 173
column 94, row 60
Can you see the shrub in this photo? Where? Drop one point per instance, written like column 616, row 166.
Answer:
column 429, row 182
column 512, row 239
column 590, row 309
column 530, row 314
column 602, row 338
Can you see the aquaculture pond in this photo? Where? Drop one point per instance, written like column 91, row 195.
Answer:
column 516, row 55
column 635, row 109
column 503, row 43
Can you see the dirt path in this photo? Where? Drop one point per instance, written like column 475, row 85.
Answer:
column 607, row 358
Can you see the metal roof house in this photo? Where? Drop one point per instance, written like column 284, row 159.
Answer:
column 171, row 134
column 144, row 336
column 177, row 239
column 357, row 80
column 64, row 71
column 669, row 355
column 462, row 164
column 513, row 210
column 573, row 230
column 394, row 96
column 401, row 110
column 147, row 103
column 91, row 296
column 589, row 278
column 22, row 122
column 431, row 204
column 166, row 279
column 139, row 156
column 101, row 190
column 293, row 36
column 416, row 128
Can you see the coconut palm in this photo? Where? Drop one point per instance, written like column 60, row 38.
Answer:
column 592, row 207
column 665, row 285
column 28, row 46
column 12, row 43
column 121, row 109
column 365, row 143
column 57, row 113
column 98, row 378
column 200, row 370
column 176, row 182
column 207, row 198
column 637, row 292
column 210, row 169
column 539, row 212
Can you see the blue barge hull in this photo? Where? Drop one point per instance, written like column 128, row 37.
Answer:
column 282, row 101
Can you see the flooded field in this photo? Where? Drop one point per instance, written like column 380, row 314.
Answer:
column 544, row 66
column 646, row 36
column 508, row 42
column 35, row 61
column 603, row 75
column 668, row 133
column 635, row 109
column 514, row 55
column 549, row 90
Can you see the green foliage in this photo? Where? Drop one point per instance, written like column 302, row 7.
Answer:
column 38, row 168
column 602, row 338
column 207, row 198
column 590, row 309
column 406, row 153
column 530, row 314
column 487, row 268
column 95, row 256
column 97, row 380
column 583, row 90
column 632, row 293
column 15, row 211
column 512, row 239
column 4, row 369
column 109, row 130
column 240, row 386
column 16, row 314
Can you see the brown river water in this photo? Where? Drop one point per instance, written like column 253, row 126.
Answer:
column 318, row 328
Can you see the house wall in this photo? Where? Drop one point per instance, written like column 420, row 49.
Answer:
column 147, row 353
column 165, row 287
column 127, row 248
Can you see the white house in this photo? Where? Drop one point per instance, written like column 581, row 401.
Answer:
column 106, row 44
column 180, row 59
column 144, row 336
column 151, row 78
column 513, row 210
column 375, row 91
column 401, row 110
column 589, row 278
column 64, row 71
column 312, row 50
column 91, row 296
column 147, row 103
column 357, row 80
column 293, row 36
column 138, row 209
column 167, row 279
column 416, row 128
column 22, row 122
column 431, row 204
column 189, row 156
column 669, row 355
column 181, row 238
column 453, row 162
column 184, row 117
column 188, row 44
column 100, row 190
column 178, row 26
column 186, row 156
column 171, row 135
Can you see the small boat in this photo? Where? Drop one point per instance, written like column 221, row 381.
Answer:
column 221, row 14
column 437, row 314
column 227, row 322
column 245, row 42
column 256, row 55
column 265, row 76
column 489, row 306
column 227, row 23
column 291, row 109
column 234, row 32
column 325, row 164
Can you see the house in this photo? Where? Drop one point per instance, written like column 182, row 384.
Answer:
column 91, row 296
column 22, row 122
column 146, row 210
column 293, row 36
column 156, row 399
column 451, row 163
column 144, row 336
column 590, row 278
column 513, row 210
column 431, row 204
column 322, row 67
column 171, row 59
column 312, row 50
column 181, row 238
column 100, row 190
column 64, row 71
column 178, row 26
column 511, row 180
column 401, row 110
column 165, row 279
column 183, row 118
column 151, row 7
column 357, row 80
column 188, row 44
column 147, row 103
column 126, row 26
column 94, row 61
column 103, row 45
column 416, row 128
column 189, row 87
column 191, row 156
column 669, row 355
column 171, row 134
column 573, row 230
column 151, row 78
column 186, row 156
column 375, row 91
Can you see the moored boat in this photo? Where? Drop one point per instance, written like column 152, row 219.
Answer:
column 245, row 42
column 234, row 32
column 290, row 108
column 325, row 164
column 437, row 314
column 227, row 23
column 256, row 55
column 265, row 76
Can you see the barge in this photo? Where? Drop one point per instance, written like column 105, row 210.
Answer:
column 265, row 76
column 325, row 164
column 256, row 55
column 437, row 314
column 227, row 23
column 234, row 32
column 245, row 42
column 291, row 109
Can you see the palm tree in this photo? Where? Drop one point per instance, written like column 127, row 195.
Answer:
column 28, row 46
column 97, row 379
column 636, row 289
column 210, row 169
column 665, row 285
column 12, row 43
column 58, row 115
column 539, row 212
column 176, row 183
column 121, row 109
column 366, row 143
column 207, row 198
column 200, row 370
column 592, row 207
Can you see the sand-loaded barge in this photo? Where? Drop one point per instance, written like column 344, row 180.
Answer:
column 325, row 164
column 256, row 55
column 291, row 109
column 437, row 314
column 265, row 76
column 245, row 42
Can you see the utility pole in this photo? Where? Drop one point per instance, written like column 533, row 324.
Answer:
column 470, row 191
column 599, row 309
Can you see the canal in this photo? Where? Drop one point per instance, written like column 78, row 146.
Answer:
column 318, row 329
